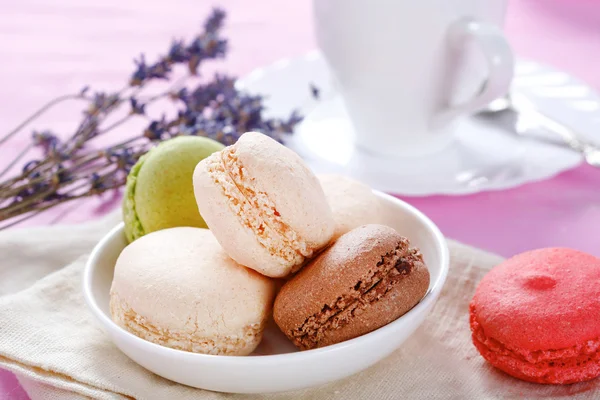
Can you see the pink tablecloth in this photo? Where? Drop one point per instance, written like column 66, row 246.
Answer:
column 49, row 48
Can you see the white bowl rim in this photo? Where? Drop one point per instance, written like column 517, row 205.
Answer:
column 431, row 296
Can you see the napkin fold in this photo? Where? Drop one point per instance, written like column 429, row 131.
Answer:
column 58, row 351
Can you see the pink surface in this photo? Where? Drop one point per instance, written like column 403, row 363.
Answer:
column 51, row 48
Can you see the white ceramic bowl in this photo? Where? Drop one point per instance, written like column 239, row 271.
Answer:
column 275, row 365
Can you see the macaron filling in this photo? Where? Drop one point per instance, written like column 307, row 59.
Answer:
column 567, row 365
column 393, row 267
column 255, row 210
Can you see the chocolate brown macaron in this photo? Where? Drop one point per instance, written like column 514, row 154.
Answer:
column 368, row 278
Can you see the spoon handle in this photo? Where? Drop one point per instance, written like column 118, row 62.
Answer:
column 590, row 151
column 566, row 134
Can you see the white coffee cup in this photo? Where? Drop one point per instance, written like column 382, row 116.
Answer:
column 408, row 70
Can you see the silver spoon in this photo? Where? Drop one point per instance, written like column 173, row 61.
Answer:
column 510, row 111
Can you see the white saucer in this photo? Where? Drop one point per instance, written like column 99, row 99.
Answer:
column 483, row 157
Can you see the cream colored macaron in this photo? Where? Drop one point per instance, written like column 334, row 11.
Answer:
column 264, row 205
column 178, row 288
column 352, row 202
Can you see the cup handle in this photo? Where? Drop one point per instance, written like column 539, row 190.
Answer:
column 500, row 61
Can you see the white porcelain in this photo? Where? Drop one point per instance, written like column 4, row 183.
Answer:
column 406, row 70
column 276, row 365
column 482, row 157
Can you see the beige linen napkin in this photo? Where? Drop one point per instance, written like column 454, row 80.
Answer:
column 58, row 351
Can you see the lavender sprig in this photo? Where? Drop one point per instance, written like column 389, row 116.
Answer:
column 70, row 167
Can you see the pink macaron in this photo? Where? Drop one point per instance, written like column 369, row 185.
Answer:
column 536, row 316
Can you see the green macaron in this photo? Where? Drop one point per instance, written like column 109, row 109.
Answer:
column 159, row 193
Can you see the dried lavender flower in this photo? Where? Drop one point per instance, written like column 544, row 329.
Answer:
column 72, row 168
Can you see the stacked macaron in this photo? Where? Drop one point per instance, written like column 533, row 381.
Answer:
column 177, row 288
column 368, row 278
column 269, row 217
column 266, row 208
column 158, row 194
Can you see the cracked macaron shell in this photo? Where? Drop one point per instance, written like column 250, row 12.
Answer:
column 159, row 191
column 284, row 184
column 181, row 281
column 339, row 273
